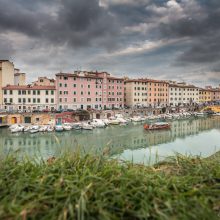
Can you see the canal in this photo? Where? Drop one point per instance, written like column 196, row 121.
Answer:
column 199, row 136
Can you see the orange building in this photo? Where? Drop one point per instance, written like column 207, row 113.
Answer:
column 157, row 93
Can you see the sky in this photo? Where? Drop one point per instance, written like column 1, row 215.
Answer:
column 161, row 39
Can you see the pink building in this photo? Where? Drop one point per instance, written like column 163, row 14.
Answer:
column 87, row 90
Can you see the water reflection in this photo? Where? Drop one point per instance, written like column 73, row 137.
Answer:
column 118, row 139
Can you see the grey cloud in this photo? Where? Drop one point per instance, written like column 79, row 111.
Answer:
column 74, row 22
column 77, row 32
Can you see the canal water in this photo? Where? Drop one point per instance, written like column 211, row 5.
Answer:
column 199, row 136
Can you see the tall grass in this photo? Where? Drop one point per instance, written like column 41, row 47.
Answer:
column 89, row 187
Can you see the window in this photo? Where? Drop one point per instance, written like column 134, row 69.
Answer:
column 60, row 99
column 89, row 86
column 24, row 92
column 19, row 92
column 5, row 100
column 34, row 100
column 34, row 92
column 46, row 100
column 19, row 100
column 5, row 92
column 65, row 85
column 52, row 100
column 38, row 92
column 29, row 92
column 11, row 100
column 65, row 78
column 60, row 84
column 74, row 85
column 74, row 92
column 52, row 92
column 29, row 100
column 24, row 100
column 74, row 99
column 38, row 100
column 11, row 92
column 47, row 92
column 60, row 92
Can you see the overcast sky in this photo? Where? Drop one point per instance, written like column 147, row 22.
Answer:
column 162, row 39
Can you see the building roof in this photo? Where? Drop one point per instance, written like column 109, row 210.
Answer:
column 28, row 87
column 146, row 80
column 183, row 86
column 115, row 78
column 209, row 89
column 4, row 61
column 18, row 74
column 79, row 76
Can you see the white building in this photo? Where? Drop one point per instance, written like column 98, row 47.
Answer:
column 183, row 94
column 27, row 98
column 135, row 92
column 19, row 78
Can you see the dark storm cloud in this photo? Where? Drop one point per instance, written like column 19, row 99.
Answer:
column 82, row 30
column 202, row 30
column 74, row 22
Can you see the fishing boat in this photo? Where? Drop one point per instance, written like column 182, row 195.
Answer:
column 157, row 126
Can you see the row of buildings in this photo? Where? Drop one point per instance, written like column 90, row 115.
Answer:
column 94, row 90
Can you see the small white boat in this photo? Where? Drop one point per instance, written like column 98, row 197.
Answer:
column 50, row 128
column 77, row 126
column 136, row 119
column 67, row 126
column 16, row 128
column 58, row 128
column 106, row 121
column 217, row 114
column 34, row 129
column 98, row 123
column 87, row 126
column 43, row 129
column 114, row 121
column 200, row 114
column 27, row 128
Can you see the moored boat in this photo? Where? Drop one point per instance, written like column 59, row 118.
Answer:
column 87, row 126
column 58, row 128
column 67, row 126
column 157, row 126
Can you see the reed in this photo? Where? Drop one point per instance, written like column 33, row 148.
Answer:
column 90, row 187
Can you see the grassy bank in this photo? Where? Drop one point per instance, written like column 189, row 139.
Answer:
column 95, row 188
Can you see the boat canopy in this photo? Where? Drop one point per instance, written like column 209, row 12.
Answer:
column 161, row 123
